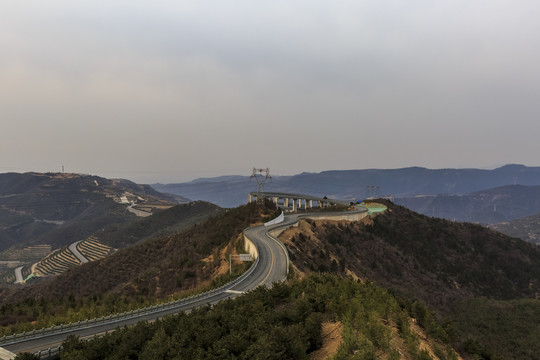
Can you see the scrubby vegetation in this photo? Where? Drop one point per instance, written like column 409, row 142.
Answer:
column 279, row 323
column 439, row 263
column 498, row 330
column 434, row 260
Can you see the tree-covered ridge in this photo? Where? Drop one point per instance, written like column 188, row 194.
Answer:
column 467, row 273
column 279, row 323
column 435, row 260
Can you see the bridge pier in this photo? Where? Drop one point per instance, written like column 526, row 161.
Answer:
column 294, row 202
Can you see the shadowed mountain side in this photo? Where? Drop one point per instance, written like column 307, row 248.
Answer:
column 169, row 221
column 434, row 260
column 230, row 191
column 58, row 209
column 490, row 206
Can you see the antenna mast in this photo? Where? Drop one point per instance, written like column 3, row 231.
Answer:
column 260, row 176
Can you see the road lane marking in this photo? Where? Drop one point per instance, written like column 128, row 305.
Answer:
column 235, row 291
column 271, row 267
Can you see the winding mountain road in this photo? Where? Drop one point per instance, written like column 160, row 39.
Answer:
column 75, row 251
column 271, row 267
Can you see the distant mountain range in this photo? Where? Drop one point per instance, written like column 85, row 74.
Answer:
column 230, row 191
column 490, row 206
column 57, row 208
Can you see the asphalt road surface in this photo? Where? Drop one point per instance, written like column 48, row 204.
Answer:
column 73, row 249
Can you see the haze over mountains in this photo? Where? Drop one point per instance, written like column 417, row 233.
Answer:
column 489, row 206
column 230, row 191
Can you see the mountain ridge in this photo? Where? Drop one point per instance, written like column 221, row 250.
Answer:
column 61, row 208
column 230, row 191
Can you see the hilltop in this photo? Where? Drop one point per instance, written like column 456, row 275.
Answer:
column 485, row 284
column 58, row 209
column 431, row 259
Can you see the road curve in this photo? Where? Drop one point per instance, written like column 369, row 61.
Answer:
column 18, row 275
column 73, row 249
column 271, row 267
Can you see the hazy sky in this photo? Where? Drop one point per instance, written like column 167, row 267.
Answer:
column 173, row 90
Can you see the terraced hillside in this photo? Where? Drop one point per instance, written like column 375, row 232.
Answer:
column 56, row 263
column 93, row 250
column 61, row 260
column 14, row 257
column 29, row 253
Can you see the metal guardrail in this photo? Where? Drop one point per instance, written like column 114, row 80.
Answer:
column 50, row 353
column 54, row 352
column 88, row 323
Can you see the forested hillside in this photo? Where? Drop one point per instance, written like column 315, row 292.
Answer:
column 440, row 263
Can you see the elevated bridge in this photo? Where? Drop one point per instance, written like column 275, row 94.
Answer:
column 293, row 202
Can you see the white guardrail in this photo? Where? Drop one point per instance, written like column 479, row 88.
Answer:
column 277, row 220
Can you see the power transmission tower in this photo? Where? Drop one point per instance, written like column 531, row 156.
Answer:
column 260, row 176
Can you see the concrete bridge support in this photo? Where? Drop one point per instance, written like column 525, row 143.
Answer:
column 293, row 202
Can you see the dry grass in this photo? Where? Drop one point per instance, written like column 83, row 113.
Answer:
column 331, row 340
